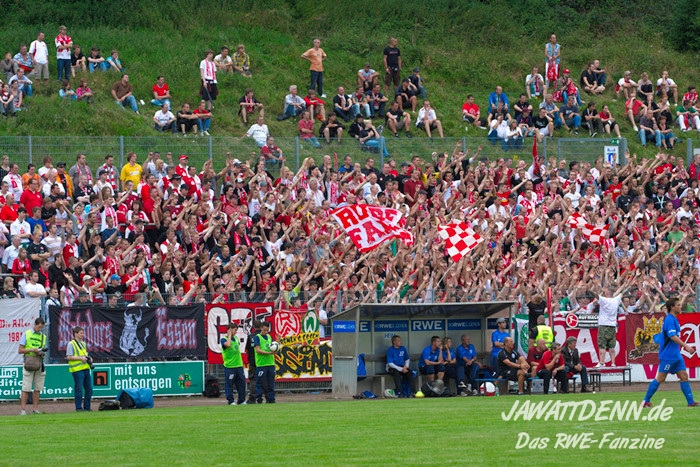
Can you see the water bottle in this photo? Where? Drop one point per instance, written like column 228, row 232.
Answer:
column 497, row 391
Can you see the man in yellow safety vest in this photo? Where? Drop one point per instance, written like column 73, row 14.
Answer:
column 32, row 344
column 79, row 364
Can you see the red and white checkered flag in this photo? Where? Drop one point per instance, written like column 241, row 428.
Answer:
column 593, row 234
column 459, row 239
column 576, row 221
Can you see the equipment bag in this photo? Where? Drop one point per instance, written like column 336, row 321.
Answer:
column 211, row 386
column 109, row 405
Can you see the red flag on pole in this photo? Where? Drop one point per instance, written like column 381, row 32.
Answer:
column 536, row 169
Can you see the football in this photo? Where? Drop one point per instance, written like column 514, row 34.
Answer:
column 488, row 389
column 274, row 346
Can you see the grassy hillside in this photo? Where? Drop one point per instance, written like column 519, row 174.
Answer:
column 461, row 47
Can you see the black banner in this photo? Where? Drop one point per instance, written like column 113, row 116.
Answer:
column 131, row 332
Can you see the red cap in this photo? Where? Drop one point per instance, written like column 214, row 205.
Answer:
column 183, row 157
column 566, row 70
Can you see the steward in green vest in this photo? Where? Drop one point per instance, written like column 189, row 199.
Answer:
column 79, row 365
column 233, row 365
column 265, row 363
column 32, row 344
column 542, row 331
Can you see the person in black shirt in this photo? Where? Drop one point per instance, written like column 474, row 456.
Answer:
column 544, row 125
column 36, row 250
column 624, row 200
column 396, row 119
column 588, row 80
column 536, row 307
column 392, row 64
column 591, row 120
column 250, row 352
column 385, row 176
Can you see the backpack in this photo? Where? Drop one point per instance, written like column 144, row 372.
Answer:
column 109, row 405
column 211, row 386
column 125, row 401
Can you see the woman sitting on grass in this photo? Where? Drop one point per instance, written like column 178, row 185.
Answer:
column 14, row 87
column 84, row 93
column 7, row 101
column 66, row 92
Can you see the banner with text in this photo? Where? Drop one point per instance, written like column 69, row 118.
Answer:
column 219, row 315
column 587, row 339
column 16, row 317
column 131, row 332
column 304, row 353
column 164, row 378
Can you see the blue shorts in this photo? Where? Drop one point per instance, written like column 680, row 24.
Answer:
column 672, row 366
column 432, row 369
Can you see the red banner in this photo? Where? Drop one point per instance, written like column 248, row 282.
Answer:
column 641, row 328
column 217, row 317
column 587, row 341
column 370, row 226
column 690, row 333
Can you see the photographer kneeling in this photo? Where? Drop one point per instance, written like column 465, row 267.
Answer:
column 80, row 364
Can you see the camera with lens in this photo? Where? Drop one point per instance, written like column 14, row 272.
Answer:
column 90, row 362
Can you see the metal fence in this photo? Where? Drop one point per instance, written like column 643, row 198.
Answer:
column 33, row 149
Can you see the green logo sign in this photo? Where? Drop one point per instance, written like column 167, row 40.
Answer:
column 164, row 378
column 310, row 322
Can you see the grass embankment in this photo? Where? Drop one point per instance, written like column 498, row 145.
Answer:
column 460, row 47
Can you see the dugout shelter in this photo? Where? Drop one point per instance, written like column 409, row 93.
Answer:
column 367, row 329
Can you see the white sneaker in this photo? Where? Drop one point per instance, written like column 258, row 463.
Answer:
column 24, row 412
column 142, row 102
column 36, row 412
column 554, row 389
column 323, row 96
column 466, row 128
column 184, row 135
column 599, row 365
column 205, row 133
column 243, row 403
column 231, row 403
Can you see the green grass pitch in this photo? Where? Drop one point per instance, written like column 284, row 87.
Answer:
column 449, row 431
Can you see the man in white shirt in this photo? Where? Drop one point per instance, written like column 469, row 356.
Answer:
column 11, row 253
column 24, row 84
column 32, row 288
column 14, row 182
column 207, row 73
column 607, row 323
column 20, row 227
column 165, row 120
column 40, row 54
column 666, row 85
column 258, row 131
column 293, row 104
column 427, row 120
column 64, row 44
column 223, row 61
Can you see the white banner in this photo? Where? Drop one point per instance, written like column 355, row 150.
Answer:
column 16, row 316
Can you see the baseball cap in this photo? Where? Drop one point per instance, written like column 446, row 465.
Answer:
column 500, row 320
column 183, row 157
column 61, row 164
column 405, row 164
column 628, row 72
column 115, row 277
column 566, row 70
column 416, row 70
column 176, row 177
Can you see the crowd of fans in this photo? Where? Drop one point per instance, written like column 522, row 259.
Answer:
column 165, row 231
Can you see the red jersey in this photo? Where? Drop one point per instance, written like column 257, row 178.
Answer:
column 161, row 91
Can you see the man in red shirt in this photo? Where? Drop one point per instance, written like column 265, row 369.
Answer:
column 472, row 114
column 31, row 197
column 552, row 366
column 634, row 109
column 8, row 213
column 161, row 93
column 412, row 186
